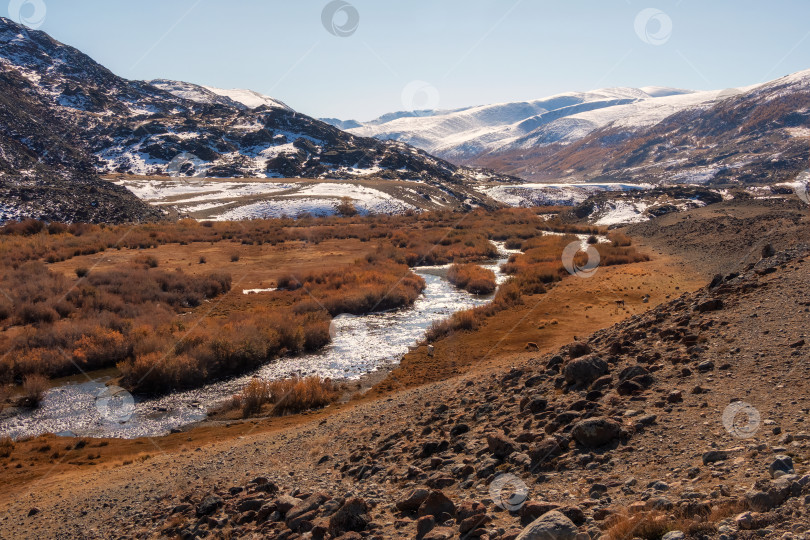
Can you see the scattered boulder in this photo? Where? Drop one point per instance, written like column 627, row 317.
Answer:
column 286, row 502
column 577, row 349
column 352, row 516
column 440, row 533
column 500, row 445
column 436, row 504
column 209, row 505
column 555, row 362
column 424, row 525
column 584, row 370
column 713, row 456
column 595, row 432
column 780, row 466
column 546, row 450
column 715, row 304
column 748, row 521
column 413, row 501
column 537, row 405
column 552, row 525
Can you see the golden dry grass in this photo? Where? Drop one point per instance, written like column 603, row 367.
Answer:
column 286, row 395
column 472, row 278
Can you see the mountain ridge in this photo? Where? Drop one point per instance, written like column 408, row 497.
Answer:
column 566, row 137
column 181, row 129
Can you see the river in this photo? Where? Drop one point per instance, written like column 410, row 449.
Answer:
column 360, row 345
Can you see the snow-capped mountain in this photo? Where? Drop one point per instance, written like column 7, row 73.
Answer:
column 466, row 133
column 621, row 134
column 175, row 128
column 757, row 134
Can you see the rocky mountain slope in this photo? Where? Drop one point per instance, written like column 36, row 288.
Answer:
column 754, row 134
column 187, row 130
column 43, row 173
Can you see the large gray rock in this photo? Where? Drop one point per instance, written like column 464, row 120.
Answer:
column 583, row 371
column 595, row 432
column 780, row 466
column 550, row 526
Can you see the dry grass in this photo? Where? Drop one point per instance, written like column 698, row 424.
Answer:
column 645, row 525
column 652, row 525
column 288, row 396
column 6, row 446
column 127, row 314
column 5, row 395
column 472, row 278
column 34, row 388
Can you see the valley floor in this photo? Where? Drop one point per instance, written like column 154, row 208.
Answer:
column 483, row 407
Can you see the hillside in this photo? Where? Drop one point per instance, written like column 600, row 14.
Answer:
column 753, row 135
column 43, row 172
column 181, row 129
column 466, row 133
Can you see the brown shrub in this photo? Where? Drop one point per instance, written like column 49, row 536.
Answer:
column 34, row 388
column 346, row 208
column 101, row 347
column 6, row 446
column 255, row 394
column 30, row 313
column 301, row 394
column 646, row 525
column 5, row 394
column 472, row 278
column 148, row 261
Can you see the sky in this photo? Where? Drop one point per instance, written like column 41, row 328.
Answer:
column 358, row 59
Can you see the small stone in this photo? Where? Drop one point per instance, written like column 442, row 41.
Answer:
column 425, row 525
column 713, row 456
column 209, row 505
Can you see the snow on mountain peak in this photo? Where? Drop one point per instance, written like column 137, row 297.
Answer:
column 248, row 98
column 209, row 94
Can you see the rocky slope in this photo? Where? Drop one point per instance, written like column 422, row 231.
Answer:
column 181, row 129
column 572, row 442
column 43, row 173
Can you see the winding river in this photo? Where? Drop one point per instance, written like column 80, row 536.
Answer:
column 360, row 345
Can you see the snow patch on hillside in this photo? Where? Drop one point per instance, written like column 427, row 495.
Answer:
column 248, row 98
column 622, row 212
column 528, row 195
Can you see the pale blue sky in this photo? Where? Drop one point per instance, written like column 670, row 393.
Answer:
column 471, row 51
